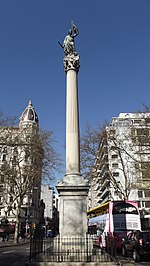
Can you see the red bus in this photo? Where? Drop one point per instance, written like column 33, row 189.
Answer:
column 113, row 219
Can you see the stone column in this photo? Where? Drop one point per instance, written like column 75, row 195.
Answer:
column 72, row 122
column 73, row 188
column 71, row 66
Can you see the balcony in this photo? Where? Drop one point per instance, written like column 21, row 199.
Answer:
column 105, row 192
column 99, row 192
column 105, row 184
column 97, row 186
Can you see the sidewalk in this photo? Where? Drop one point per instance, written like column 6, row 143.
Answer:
column 118, row 261
column 10, row 242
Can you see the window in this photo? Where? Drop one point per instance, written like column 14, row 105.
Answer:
column 147, row 204
column 124, row 208
column 147, row 193
column 5, row 150
column 11, row 199
column 112, row 132
column 3, row 157
column 140, row 194
column 25, row 212
column 15, row 151
column 11, row 189
column 14, row 159
column 115, row 174
column 114, row 156
column 137, row 121
column 147, row 120
column 142, row 131
column 2, row 178
column 115, row 165
column 145, row 168
column 143, row 135
column 140, row 204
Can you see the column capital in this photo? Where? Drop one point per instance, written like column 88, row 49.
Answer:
column 72, row 61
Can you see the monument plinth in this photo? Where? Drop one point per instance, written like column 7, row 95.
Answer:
column 73, row 189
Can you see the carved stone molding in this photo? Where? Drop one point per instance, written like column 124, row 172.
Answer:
column 72, row 62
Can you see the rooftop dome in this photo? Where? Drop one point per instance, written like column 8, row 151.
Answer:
column 29, row 114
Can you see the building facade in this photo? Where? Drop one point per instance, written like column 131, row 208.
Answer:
column 20, row 170
column 122, row 166
column 47, row 197
column 51, row 213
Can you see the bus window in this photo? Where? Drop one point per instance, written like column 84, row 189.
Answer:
column 124, row 208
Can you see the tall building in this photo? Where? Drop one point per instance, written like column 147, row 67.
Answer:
column 47, row 197
column 122, row 166
column 20, row 170
column 51, row 214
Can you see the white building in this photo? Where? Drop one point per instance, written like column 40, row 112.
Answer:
column 122, row 166
column 20, row 170
column 47, row 197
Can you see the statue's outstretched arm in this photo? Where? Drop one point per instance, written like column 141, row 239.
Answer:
column 75, row 29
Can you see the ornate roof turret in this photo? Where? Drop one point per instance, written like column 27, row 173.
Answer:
column 29, row 115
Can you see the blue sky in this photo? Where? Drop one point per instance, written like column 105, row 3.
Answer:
column 114, row 48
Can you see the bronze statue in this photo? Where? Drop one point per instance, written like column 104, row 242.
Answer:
column 68, row 44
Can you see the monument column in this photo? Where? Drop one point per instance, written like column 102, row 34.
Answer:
column 73, row 189
column 72, row 116
column 71, row 66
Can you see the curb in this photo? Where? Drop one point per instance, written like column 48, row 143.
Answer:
column 13, row 244
column 71, row 263
column 125, row 261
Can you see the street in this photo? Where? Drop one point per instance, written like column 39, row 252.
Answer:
column 18, row 255
column 130, row 261
column 146, row 263
column 127, row 260
column 14, row 255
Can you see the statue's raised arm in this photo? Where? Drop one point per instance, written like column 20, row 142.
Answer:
column 75, row 29
column 68, row 43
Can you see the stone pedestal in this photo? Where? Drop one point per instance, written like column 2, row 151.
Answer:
column 73, row 210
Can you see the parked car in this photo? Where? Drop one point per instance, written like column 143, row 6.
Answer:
column 136, row 244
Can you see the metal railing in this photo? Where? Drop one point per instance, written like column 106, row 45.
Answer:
column 66, row 249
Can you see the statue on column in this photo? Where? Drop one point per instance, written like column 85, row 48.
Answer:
column 68, row 44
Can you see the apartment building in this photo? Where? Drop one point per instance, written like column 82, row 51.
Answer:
column 47, row 194
column 20, row 170
column 122, row 166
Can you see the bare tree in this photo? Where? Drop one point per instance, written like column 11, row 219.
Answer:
column 52, row 162
column 130, row 144
column 120, row 147
column 27, row 158
column 89, row 146
column 141, row 138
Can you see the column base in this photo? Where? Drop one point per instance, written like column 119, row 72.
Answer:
column 73, row 192
column 73, row 179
